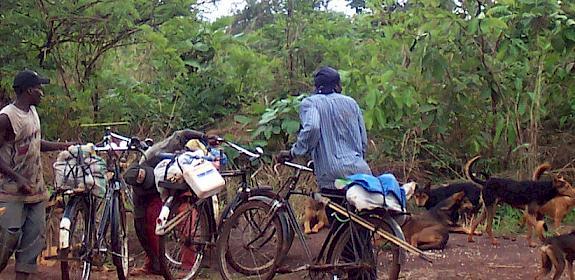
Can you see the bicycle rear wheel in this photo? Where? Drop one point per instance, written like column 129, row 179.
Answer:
column 76, row 263
column 376, row 257
column 119, row 236
column 182, row 249
column 246, row 248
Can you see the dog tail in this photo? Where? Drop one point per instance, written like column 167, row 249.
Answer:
column 470, row 174
column 540, row 170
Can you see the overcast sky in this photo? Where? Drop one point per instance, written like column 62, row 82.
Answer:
column 227, row 7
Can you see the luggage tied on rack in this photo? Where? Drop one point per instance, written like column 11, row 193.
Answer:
column 69, row 174
column 200, row 175
column 367, row 192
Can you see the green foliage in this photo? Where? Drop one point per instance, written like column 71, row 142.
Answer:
column 279, row 121
column 458, row 78
column 508, row 220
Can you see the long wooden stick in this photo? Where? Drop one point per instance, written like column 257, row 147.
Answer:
column 392, row 238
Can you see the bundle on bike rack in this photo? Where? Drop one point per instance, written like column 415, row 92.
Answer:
column 79, row 169
column 192, row 168
column 366, row 192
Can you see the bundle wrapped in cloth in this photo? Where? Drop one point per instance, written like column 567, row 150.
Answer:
column 199, row 174
column 87, row 175
column 367, row 192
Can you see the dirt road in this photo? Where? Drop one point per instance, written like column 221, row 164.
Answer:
column 461, row 260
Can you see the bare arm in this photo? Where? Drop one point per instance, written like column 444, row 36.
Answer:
column 47, row 146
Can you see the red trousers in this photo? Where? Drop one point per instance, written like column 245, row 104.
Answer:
column 186, row 231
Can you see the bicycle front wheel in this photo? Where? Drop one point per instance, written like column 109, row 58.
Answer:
column 182, row 249
column 248, row 246
column 77, row 239
column 373, row 256
column 119, row 236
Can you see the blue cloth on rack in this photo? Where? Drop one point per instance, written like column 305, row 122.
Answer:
column 384, row 184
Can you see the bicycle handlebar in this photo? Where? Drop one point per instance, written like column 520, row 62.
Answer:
column 174, row 155
column 242, row 150
column 298, row 166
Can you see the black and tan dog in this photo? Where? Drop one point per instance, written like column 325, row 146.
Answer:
column 556, row 252
column 429, row 197
column 430, row 229
column 529, row 195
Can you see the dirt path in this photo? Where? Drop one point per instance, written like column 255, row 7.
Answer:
column 461, row 260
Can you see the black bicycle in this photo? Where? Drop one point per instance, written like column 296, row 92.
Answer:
column 94, row 227
column 188, row 227
column 361, row 245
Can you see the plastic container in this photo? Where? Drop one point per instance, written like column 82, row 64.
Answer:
column 204, row 179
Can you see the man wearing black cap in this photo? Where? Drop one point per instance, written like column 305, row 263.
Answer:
column 22, row 190
column 333, row 133
column 338, row 148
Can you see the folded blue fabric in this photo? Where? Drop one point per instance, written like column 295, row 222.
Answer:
column 384, row 184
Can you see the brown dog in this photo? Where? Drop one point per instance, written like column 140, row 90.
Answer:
column 430, row 229
column 315, row 217
column 2, row 210
column 555, row 252
column 529, row 194
column 556, row 208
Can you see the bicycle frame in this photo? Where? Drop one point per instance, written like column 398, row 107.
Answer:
column 245, row 192
column 283, row 204
column 111, row 198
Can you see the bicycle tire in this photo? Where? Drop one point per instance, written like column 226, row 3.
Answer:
column 391, row 260
column 265, row 194
column 171, row 244
column 229, row 265
column 76, row 212
column 288, row 232
column 54, row 213
column 119, row 237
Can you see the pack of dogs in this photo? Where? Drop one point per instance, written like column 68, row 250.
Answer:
column 475, row 202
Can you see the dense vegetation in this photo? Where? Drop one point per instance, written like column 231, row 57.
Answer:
column 438, row 80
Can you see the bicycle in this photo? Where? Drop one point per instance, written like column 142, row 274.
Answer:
column 84, row 239
column 254, row 230
column 187, row 226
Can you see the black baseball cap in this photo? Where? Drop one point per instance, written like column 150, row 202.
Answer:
column 28, row 78
column 326, row 79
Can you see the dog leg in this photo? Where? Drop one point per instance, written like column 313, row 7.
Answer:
column 558, row 217
column 458, row 229
column 432, row 238
column 570, row 270
column 414, row 240
column 559, row 269
column 558, row 262
column 475, row 224
column 546, row 263
column 317, row 227
column 307, row 227
column 322, row 220
column 537, row 225
column 489, row 228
